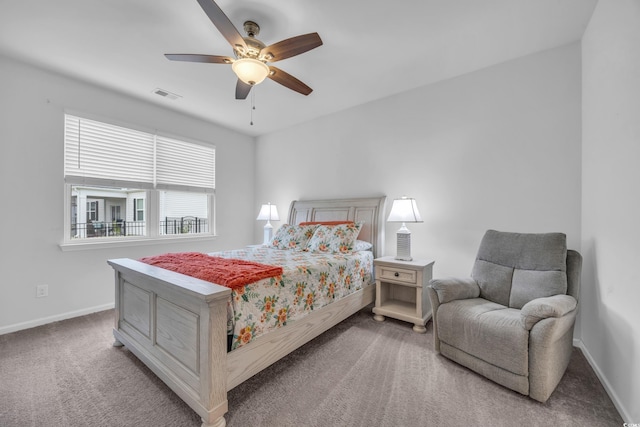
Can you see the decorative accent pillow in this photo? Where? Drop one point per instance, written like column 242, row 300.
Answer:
column 292, row 236
column 334, row 239
column 361, row 245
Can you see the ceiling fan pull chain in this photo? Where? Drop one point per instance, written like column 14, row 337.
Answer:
column 253, row 104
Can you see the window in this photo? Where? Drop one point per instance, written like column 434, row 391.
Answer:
column 92, row 211
column 101, row 201
column 115, row 213
column 138, row 209
column 183, row 213
column 123, row 183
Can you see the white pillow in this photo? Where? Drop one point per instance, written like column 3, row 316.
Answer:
column 361, row 245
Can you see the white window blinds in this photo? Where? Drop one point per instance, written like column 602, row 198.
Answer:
column 103, row 154
column 180, row 163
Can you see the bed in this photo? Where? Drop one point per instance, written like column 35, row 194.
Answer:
column 178, row 325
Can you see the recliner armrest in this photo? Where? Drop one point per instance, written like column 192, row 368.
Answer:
column 543, row 308
column 453, row 288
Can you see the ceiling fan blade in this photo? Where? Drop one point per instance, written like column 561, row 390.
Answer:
column 291, row 47
column 242, row 89
column 222, row 23
column 287, row 80
column 188, row 57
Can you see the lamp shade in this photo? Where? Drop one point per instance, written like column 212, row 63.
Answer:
column 404, row 209
column 249, row 70
column 268, row 212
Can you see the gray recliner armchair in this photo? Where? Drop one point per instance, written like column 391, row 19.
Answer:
column 512, row 320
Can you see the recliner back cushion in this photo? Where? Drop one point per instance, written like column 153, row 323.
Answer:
column 515, row 268
column 494, row 281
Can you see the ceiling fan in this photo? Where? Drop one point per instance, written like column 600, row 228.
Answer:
column 251, row 55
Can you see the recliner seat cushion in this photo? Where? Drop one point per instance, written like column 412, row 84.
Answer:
column 486, row 330
column 513, row 268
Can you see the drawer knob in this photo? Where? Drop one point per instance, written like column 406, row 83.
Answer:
column 396, row 274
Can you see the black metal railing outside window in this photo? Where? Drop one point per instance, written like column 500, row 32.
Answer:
column 184, row 225
column 178, row 225
column 107, row 229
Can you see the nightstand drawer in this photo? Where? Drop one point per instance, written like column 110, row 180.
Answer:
column 396, row 274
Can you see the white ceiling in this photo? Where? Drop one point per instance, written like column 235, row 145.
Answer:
column 372, row 48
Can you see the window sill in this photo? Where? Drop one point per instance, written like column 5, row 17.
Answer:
column 105, row 243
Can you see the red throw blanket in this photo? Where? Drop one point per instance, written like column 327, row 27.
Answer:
column 232, row 273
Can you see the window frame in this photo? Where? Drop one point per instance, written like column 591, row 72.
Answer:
column 151, row 201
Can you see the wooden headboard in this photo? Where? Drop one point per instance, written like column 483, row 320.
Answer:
column 369, row 210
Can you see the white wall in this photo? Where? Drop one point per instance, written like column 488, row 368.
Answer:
column 32, row 190
column 611, row 203
column 498, row 148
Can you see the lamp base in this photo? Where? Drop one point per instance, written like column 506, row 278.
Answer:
column 403, row 251
column 268, row 232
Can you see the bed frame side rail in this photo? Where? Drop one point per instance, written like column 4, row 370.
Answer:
column 248, row 360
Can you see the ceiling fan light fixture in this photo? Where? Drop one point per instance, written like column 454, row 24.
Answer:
column 251, row 71
column 252, row 54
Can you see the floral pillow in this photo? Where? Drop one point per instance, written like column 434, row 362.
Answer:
column 334, row 239
column 292, row 236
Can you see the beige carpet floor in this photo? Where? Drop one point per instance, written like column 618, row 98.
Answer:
column 359, row 373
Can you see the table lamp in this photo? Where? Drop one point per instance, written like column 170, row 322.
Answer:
column 269, row 213
column 404, row 210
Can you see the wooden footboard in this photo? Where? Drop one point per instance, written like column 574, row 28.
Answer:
column 177, row 325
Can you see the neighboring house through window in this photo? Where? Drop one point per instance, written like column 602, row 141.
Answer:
column 116, row 176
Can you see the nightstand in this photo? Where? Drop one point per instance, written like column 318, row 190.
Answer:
column 401, row 290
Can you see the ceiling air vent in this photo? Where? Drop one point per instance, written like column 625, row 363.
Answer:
column 166, row 94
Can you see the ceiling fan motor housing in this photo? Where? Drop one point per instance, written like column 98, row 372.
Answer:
column 251, row 28
column 254, row 46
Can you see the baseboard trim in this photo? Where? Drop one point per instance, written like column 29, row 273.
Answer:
column 44, row 320
column 603, row 379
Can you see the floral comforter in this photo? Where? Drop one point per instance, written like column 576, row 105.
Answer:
column 310, row 281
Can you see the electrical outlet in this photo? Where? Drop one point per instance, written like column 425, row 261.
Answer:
column 42, row 291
